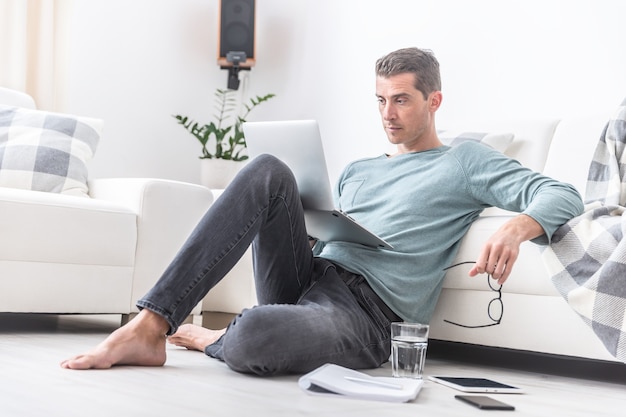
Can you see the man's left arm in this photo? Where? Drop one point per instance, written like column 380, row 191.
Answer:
column 544, row 205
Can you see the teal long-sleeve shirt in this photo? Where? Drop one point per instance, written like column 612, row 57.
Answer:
column 423, row 203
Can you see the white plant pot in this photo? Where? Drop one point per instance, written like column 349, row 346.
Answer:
column 218, row 173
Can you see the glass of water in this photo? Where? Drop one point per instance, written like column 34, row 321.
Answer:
column 408, row 349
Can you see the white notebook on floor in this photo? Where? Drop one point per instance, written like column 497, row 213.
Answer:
column 336, row 380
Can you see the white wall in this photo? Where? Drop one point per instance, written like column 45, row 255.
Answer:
column 135, row 63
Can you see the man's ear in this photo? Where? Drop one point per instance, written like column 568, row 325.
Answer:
column 435, row 100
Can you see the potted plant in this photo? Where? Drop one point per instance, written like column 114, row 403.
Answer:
column 223, row 142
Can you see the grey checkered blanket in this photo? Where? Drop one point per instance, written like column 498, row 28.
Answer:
column 587, row 256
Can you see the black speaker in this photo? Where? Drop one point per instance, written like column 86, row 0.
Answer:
column 236, row 33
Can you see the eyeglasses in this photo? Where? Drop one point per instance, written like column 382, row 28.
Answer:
column 495, row 308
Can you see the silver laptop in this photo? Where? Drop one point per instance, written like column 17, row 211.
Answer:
column 299, row 145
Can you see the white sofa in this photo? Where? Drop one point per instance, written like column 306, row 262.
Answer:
column 536, row 318
column 68, row 254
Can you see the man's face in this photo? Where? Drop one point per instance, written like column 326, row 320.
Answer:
column 408, row 118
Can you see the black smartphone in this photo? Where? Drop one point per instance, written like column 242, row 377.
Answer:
column 484, row 402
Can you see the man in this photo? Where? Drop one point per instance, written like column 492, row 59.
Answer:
column 337, row 306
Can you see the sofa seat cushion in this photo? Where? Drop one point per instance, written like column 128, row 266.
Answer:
column 54, row 228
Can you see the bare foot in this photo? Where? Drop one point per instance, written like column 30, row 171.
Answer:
column 140, row 342
column 195, row 337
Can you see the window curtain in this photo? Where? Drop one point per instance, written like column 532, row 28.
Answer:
column 34, row 41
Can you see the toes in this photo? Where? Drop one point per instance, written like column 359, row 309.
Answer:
column 68, row 363
column 82, row 362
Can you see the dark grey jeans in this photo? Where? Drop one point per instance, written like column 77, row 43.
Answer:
column 307, row 314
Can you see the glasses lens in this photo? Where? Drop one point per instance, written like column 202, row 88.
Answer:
column 495, row 309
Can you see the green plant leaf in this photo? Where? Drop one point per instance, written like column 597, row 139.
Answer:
column 224, row 134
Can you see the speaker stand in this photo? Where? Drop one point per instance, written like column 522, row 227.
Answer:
column 233, row 75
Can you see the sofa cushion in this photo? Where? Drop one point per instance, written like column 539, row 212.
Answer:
column 527, row 277
column 62, row 229
column 497, row 141
column 45, row 151
column 572, row 148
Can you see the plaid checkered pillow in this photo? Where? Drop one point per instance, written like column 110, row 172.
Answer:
column 497, row 141
column 44, row 151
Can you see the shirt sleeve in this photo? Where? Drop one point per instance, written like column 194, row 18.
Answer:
column 499, row 181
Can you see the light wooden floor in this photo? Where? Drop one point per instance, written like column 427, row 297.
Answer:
column 191, row 384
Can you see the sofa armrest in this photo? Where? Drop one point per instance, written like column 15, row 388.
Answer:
column 167, row 212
